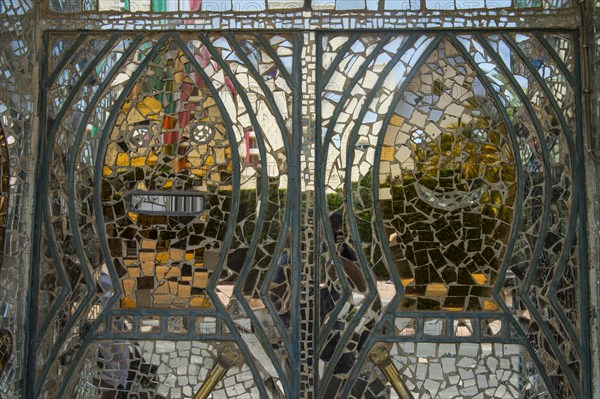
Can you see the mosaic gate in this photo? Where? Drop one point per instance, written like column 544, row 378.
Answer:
column 308, row 213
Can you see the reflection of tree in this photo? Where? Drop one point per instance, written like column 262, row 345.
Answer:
column 452, row 211
column 464, row 164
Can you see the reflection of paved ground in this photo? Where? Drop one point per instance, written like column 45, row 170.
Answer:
column 386, row 293
column 225, row 291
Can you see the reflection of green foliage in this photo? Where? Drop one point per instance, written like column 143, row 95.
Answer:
column 528, row 3
column 362, row 193
column 468, row 155
column 334, row 201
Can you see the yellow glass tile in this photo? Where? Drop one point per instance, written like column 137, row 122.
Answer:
column 436, row 290
column 201, row 279
column 132, row 216
column 198, row 172
column 496, row 197
column 161, row 272
column 149, row 106
column 189, row 256
column 151, row 159
column 128, row 286
column 134, row 272
column 138, row 161
column 128, row 303
column 220, row 155
column 162, row 257
column 168, row 184
column 173, row 272
column 209, row 102
column 479, row 278
column 146, row 256
column 148, row 268
column 185, row 291
column 162, row 288
column 489, row 305
column 200, row 302
column 396, row 120
column 176, row 254
column 122, row 159
column 126, row 106
column 406, row 281
column 134, row 116
column 453, row 309
column 387, row 153
column 148, row 244
column 178, row 77
column 106, row 171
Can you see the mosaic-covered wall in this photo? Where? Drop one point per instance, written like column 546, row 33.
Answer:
column 282, row 200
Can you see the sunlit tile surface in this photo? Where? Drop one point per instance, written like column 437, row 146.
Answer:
column 295, row 183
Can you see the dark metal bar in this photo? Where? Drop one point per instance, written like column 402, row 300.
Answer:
column 44, row 183
column 294, row 174
column 534, row 311
column 518, row 210
column 32, row 295
column 63, row 61
column 584, row 274
column 410, row 40
column 573, row 214
column 587, row 43
column 105, row 316
column 320, row 158
column 267, row 46
column 372, row 286
column 232, row 221
column 557, row 60
column 261, row 212
column 284, row 133
column 347, row 291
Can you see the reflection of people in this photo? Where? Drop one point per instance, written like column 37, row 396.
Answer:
column 330, row 293
column 120, row 362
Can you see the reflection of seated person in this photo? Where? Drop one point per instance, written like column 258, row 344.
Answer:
column 120, row 362
column 331, row 292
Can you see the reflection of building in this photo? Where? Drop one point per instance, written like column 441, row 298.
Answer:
column 252, row 151
column 167, row 171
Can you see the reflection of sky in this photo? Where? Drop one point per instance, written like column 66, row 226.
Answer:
column 350, row 5
column 248, row 5
column 322, row 3
column 372, row 4
column 466, row 4
column 216, row 5
column 401, row 5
